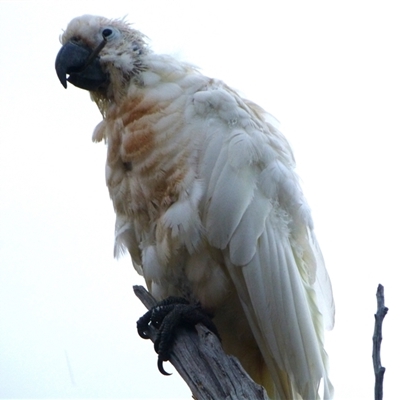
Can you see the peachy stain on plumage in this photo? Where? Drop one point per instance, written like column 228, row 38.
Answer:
column 207, row 202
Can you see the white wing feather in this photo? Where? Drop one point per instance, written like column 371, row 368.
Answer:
column 255, row 212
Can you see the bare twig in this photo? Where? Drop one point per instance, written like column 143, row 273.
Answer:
column 377, row 339
column 199, row 359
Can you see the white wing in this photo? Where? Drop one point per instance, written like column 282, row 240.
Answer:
column 256, row 213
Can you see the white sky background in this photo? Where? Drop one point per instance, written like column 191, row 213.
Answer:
column 329, row 73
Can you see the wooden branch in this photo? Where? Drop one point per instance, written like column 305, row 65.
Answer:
column 376, row 340
column 207, row 370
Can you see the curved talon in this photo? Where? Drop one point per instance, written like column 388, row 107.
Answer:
column 142, row 325
column 161, row 367
column 166, row 317
column 143, row 335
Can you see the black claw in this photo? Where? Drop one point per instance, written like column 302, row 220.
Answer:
column 166, row 317
column 161, row 366
column 142, row 325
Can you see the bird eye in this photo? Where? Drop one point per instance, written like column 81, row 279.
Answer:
column 109, row 33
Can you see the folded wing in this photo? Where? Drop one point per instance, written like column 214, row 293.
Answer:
column 256, row 214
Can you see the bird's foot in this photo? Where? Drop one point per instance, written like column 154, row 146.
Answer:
column 166, row 317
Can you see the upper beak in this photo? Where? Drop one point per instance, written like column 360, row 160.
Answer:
column 84, row 72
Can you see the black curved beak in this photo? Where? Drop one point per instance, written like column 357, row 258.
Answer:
column 83, row 69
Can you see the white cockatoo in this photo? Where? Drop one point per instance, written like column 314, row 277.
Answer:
column 207, row 203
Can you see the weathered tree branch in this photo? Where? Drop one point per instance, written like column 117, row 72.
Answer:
column 377, row 339
column 199, row 359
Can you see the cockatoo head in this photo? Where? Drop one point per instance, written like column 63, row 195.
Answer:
column 97, row 52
